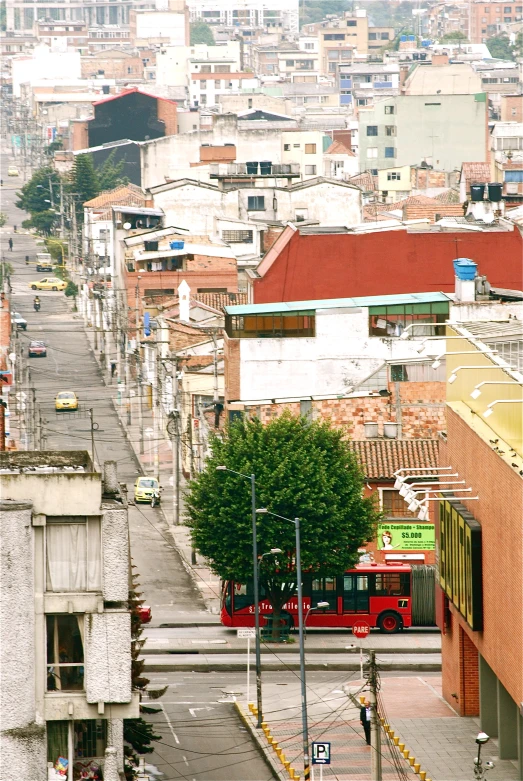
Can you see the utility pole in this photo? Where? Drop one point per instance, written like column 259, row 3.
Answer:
column 34, row 419
column 90, row 411
column 375, row 727
column 139, row 385
column 175, row 442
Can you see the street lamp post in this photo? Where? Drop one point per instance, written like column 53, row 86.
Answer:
column 252, row 479
column 301, row 624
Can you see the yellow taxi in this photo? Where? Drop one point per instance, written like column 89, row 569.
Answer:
column 145, row 489
column 48, row 283
column 13, row 171
column 66, row 400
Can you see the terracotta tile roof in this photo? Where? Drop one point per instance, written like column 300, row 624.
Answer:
column 339, row 148
column 380, row 458
column 221, row 300
column 449, row 196
column 364, row 180
column 475, row 172
column 127, row 195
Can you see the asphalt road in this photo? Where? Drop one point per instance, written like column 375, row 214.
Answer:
column 70, row 365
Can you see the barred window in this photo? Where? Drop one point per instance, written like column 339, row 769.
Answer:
column 238, row 237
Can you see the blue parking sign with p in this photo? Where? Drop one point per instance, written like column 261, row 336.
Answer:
column 321, row 753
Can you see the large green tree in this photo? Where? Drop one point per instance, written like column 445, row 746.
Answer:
column 500, row 48
column 38, row 197
column 201, row 33
column 303, row 468
column 110, row 173
column 84, row 179
column 455, row 36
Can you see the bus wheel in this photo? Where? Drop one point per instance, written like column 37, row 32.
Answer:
column 390, row 623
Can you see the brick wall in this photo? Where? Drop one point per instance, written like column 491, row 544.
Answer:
column 269, row 237
column 499, row 511
column 167, row 112
column 512, row 108
column 112, row 67
column 231, row 348
column 419, row 406
column 80, row 135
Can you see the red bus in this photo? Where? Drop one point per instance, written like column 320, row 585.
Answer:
column 381, row 594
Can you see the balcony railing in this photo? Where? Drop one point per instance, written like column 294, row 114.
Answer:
column 245, row 170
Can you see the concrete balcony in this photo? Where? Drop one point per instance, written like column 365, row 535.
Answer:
column 255, row 170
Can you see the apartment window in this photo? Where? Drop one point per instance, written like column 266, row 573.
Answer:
column 390, row 151
column 222, row 68
column 256, row 203
column 310, row 170
column 203, row 84
column 238, row 237
column 73, row 548
column 351, row 23
column 385, row 36
column 289, row 63
column 390, row 321
column 205, row 69
column 507, row 9
column 275, row 325
column 310, row 149
column 89, row 738
column 217, row 83
column 309, row 46
column 393, row 504
column 203, row 99
column 373, row 36
column 296, row 146
column 65, row 652
column 390, row 110
column 362, row 102
column 393, row 176
column 286, row 147
column 372, row 130
column 334, row 37
column 390, row 130
column 372, row 151
column 507, row 19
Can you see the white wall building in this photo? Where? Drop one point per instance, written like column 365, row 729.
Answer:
column 44, row 64
column 315, row 348
column 174, row 64
column 65, row 655
column 252, row 13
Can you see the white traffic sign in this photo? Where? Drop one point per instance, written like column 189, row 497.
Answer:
column 321, row 753
column 246, row 633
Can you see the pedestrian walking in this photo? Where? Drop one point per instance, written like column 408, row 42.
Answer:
column 113, row 368
column 10, row 242
column 365, row 717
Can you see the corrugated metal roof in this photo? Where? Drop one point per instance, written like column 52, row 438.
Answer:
column 337, row 303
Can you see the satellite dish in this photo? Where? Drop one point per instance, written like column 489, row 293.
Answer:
column 127, row 226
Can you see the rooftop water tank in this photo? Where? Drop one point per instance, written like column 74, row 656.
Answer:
column 176, row 244
column 465, row 268
column 495, row 190
column 477, row 191
column 252, row 167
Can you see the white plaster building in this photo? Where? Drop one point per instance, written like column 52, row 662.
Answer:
column 65, row 627
column 317, row 348
column 196, row 205
column 252, row 13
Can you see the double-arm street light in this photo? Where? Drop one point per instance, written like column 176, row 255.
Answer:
column 301, row 624
column 252, row 480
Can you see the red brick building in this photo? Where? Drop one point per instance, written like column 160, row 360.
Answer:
column 304, row 265
column 480, row 552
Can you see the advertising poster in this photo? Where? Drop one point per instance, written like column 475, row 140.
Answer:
column 406, row 536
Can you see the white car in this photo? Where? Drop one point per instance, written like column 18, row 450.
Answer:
column 19, row 321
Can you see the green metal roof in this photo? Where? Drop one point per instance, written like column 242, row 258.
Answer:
column 336, row 303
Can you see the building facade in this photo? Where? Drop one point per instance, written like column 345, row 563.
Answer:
column 64, row 574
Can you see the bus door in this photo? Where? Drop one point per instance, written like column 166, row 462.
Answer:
column 324, row 590
column 355, row 593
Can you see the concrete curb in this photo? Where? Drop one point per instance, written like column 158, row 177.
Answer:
column 219, row 649
column 197, row 665
column 410, row 761
column 263, row 748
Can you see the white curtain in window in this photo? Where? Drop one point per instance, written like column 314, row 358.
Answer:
column 66, row 557
column 94, row 555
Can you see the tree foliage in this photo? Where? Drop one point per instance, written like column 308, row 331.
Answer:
column 37, row 197
column 500, row 48
column 138, row 734
column 84, row 180
column 110, row 173
column 3, row 219
column 303, row 468
column 201, row 33
column 453, row 37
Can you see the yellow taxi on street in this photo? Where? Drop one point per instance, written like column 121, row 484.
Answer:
column 66, row 400
column 13, row 171
column 48, row 283
column 145, row 489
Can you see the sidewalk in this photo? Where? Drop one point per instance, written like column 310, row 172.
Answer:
column 441, row 742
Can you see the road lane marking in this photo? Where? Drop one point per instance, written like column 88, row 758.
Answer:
column 167, row 719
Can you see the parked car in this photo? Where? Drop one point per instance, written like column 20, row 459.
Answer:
column 145, row 614
column 66, row 400
column 48, row 283
column 37, row 350
column 19, row 321
column 13, row 171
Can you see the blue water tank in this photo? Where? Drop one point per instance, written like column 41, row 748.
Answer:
column 177, row 244
column 465, row 268
column 403, row 37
